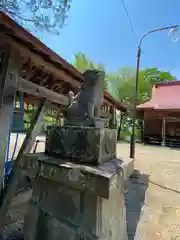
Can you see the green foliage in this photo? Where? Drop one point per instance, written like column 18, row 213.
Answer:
column 123, row 84
column 82, row 63
column 122, row 87
column 48, row 15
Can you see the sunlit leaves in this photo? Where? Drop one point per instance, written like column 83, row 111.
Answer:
column 122, row 86
column 82, row 63
column 48, row 15
column 123, row 83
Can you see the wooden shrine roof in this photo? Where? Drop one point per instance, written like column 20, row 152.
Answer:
column 165, row 96
column 43, row 66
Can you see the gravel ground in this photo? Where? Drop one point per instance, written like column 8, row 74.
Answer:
column 152, row 198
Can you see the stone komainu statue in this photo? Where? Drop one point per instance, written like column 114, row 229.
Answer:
column 87, row 103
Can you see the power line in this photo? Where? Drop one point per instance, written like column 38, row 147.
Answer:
column 129, row 19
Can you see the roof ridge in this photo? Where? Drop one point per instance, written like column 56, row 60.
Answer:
column 168, row 83
column 7, row 19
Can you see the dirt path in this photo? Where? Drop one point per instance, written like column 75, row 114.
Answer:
column 153, row 200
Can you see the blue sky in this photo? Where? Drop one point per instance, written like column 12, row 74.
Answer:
column 100, row 29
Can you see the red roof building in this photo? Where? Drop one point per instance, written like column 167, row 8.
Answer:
column 165, row 95
column 161, row 114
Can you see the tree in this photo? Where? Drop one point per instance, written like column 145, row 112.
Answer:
column 123, row 84
column 123, row 88
column 82, row 63
column 48, row 15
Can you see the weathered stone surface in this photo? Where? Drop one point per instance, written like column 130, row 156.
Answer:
column 59, row 230
column 31, row 221
column 81, row 144
column 62, row 202
column 104, row 218
column 93, row 179
column 128, row 167
column 63, row 211
column 87, row 104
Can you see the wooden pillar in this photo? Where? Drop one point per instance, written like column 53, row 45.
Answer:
column 110, row 118
column 163, row 143
column 120, row 126
column 112, row 123
column 17, row 172
column 58, row 117
column 23, row 112
column 10, row 66
column 142, row 131
column 115, row 119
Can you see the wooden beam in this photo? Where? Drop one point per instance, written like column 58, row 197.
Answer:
column 169, row 119
column 39, row 91
column 25, row 52
column 8, row 192
column 107, row 102
column 44, row 79
column 9, row 74
column 58, row 73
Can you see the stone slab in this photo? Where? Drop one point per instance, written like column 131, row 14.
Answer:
column 128, row 167
column 81, row 144
column 98, row 180
column 96, row 122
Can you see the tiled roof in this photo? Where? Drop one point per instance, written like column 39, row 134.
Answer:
column 165, row 95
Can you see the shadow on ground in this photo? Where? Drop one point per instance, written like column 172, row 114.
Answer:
column 135, row 191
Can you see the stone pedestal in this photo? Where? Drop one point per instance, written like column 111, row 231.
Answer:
column 81, row 144
column 75, row 202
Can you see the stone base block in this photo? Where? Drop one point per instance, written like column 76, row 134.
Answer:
column 75, row 202
column 81, row 144
column 128, row 167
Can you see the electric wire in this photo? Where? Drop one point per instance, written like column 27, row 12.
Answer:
column 130, row 22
